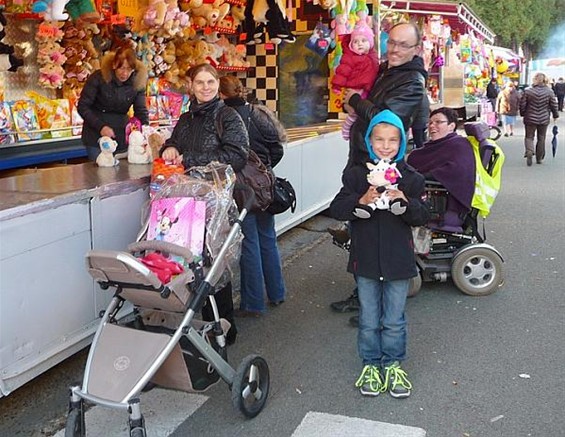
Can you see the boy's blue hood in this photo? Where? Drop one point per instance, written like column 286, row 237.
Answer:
column 389, row 117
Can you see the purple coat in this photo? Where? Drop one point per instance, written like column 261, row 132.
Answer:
column 450, row 161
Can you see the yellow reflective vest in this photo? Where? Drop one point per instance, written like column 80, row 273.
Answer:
column 487, row 185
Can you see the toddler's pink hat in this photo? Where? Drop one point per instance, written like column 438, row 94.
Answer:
column 363, row 30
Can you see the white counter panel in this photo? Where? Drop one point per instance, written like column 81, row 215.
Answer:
column 314, row 168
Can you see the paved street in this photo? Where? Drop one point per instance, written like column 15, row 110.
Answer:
column 481, row 367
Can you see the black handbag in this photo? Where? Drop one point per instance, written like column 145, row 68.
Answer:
column 284, row 197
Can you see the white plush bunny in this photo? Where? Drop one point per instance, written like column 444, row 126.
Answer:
column 138, row 150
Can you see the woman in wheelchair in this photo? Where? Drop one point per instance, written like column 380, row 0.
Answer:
column 448, row 159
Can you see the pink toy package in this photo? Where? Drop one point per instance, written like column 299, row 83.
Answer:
column 179, row 220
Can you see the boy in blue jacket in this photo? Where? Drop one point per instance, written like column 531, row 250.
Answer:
column 382, row 256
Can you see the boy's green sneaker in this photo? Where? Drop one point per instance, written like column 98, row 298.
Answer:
column 396, row 381
column 370, row 381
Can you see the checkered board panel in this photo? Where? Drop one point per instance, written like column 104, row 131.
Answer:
column 261, row 78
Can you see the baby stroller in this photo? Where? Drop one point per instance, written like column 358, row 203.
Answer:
column 160, row 342
column 475, row 267
column 489, row 116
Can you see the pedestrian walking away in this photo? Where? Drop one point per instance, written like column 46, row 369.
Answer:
column 508, row 106
column 536, row 106
column 560, row 93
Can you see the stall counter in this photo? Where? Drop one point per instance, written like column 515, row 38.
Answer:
column 50, row 218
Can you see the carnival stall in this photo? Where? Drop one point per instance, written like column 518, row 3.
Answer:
column 452, row 38
column 52, row 313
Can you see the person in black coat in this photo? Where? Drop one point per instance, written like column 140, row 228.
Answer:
column 260, row 262
column 400, row 87
column 107, row 96
column 492, row 93
column 560, row 93
column 382, row 255
column 210, row 131
column 537, row 105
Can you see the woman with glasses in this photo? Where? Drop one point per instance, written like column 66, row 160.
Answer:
column 447, row 158
column 107, row 96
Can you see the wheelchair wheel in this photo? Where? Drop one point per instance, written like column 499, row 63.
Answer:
column 250, row 386
column 477, row 271
column 415, row 285
column 494, row 133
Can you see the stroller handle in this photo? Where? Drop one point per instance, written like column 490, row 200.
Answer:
column 162, row 246
column 244, row 196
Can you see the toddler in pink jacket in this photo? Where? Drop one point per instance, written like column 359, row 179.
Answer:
column 357, row 68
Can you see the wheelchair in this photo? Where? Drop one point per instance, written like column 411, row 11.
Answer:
column 462, row 254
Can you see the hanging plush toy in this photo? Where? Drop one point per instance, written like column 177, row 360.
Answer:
column 83, row 10
column 269, row 15
column 51, row 10
column 8, row 61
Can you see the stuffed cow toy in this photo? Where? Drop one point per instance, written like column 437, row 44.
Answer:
column 385, row 176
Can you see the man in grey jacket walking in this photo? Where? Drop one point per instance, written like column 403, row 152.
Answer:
column 536, row 106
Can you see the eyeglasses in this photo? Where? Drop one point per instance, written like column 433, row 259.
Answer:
column 437, row 122
column 400, row 45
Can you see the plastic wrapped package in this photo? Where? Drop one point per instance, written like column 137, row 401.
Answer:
column 213, row 184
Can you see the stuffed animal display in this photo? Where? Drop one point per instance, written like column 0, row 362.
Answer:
column 8, row 61
column 50, row 55
column 107, row 148
column 385, row 176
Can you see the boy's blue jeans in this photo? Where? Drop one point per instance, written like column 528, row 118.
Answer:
column 260, row 263
column 381, row 338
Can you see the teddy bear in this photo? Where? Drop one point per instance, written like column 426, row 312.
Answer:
column 51, row 76
column 209, row 14
column 385, row 176
column 154, row 15
column 155, row 141
column 107, row 148
column 139, row 151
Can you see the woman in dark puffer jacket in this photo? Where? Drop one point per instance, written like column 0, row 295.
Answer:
column 536, row 105
column 107, row 96
column 210, row 131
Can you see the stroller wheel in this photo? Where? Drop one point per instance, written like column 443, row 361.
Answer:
column 138, row 432
column 495, row 133
column 415, row 285
column 75, row 423
column 477, row 271
column 250, row 387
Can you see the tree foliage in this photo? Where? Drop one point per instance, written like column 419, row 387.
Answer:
column 525, row 23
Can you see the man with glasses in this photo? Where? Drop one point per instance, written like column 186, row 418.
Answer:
column 400, row 87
